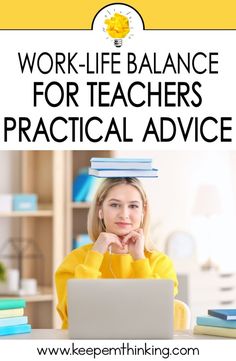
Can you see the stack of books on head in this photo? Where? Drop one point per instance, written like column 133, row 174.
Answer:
column 219, row 322
column 84, row 186
column 12, row 319
column 122, row 167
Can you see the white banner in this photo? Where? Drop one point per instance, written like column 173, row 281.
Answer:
column 199, row 350
column 161, row 90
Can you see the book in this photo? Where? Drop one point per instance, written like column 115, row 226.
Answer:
column 93, row 189
column 215, row 322
column 225, row 314
column 114, row 173
column 81, row 187
column 121, row 163
column 14, row 312
column 10, row 321
column 214, row 331
column 81, row 240
column 13, row 330
column 9, row 303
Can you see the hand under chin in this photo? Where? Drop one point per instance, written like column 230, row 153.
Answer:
column 120, row 250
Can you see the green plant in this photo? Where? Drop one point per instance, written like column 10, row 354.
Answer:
column 3, row 272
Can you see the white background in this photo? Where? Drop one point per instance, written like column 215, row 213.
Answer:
column 208, row 349
column 16, row 89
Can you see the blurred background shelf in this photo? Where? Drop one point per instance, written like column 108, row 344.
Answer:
column 76, row 212
column 44, row 294
column 80, row 205
column 40, row 173
column 44, row 210
column 49, row 175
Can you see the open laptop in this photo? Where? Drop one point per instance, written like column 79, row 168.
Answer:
column 120, row 308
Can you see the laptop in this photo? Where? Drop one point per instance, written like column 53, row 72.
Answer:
column 120, row 308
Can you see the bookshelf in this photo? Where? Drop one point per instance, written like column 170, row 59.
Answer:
column 50, row 175
column 42, row 173
column 76, row 213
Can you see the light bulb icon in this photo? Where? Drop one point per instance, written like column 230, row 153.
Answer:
column 117, row 28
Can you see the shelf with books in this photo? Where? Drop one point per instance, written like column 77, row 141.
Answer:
column 41, row 173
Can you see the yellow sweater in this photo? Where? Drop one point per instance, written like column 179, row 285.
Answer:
column 86, row 263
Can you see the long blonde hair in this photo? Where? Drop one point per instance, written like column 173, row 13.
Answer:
column 96, row 226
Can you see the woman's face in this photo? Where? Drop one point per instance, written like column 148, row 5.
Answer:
column 122, row 210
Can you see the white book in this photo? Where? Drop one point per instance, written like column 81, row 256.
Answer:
column 12, row 321
column 14, row 312
column 121, row 163
column 114, row 173
column 214, row 331
column 6, row 202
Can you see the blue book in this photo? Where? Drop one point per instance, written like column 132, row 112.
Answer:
column 81, row 240
column 9, row 303
column 86, row 188
column 81, row 187
column 25, row 202
column 93, row 189
column 116, row 173
column 215, row 322
column 121, row 163
column 225, row 314
column 13, row 330
column 11, row 321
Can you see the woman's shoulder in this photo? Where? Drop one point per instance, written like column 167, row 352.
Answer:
column 74, row 258
column 81, row 250
column 77, row 254
column 156, row 255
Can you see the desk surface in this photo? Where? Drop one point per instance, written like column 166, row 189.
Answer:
column 54, row 334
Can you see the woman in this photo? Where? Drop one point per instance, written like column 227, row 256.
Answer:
column 118, row 224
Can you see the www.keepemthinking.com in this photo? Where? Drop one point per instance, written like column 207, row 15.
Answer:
column 124, row 350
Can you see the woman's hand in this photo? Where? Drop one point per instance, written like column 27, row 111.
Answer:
column 104, row 241
column 135, row 241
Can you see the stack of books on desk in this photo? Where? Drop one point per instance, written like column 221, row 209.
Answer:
column 122, row 167
column 219, row 322
column 12, row 320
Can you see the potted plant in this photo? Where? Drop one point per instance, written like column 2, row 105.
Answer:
column 3, row 277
